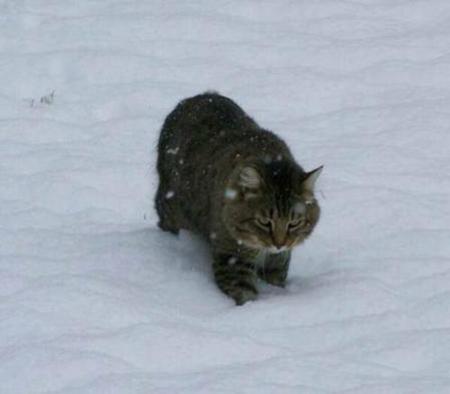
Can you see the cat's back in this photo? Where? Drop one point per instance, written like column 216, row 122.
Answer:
column 205, row 115
column 210, row 126
column 211, row 109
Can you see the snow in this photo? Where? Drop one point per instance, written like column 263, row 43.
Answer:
column 230, row 194
column 95, row 299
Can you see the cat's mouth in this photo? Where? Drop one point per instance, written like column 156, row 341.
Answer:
column 255, row 243
column 275, row 250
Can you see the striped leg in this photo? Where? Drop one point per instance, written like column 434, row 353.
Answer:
column 275, row 269
column 235, row 278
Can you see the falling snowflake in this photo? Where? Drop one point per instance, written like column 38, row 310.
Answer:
column 230, row 194
column 170, row 194
column 232, row 260
column 173, row 151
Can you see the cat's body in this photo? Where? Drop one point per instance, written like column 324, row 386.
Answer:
column 224, row 177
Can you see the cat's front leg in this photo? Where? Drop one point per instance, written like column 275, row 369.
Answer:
column 235, row 277
column 275, row 268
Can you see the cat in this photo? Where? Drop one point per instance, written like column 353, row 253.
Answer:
column 238, row 185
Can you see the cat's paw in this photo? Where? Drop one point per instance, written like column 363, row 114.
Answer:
column 275, row 278
column 242, row 296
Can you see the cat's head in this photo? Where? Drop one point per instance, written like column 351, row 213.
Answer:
column 270, row 206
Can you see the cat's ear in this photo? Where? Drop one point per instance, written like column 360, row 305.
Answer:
column 309, row 181
column 249, row 178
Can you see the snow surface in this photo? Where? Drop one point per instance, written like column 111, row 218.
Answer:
column 95, row 299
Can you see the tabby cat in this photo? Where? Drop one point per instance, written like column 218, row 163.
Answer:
column 238, row 185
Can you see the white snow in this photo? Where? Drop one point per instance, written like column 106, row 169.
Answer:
column 173, row 151
column 230, row 194
column 95, row 299
column 232, row 260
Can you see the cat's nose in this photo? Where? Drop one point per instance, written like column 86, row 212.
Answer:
column 277, row 244
column 277, row 241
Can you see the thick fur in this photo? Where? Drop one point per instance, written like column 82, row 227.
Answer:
column 224, row 177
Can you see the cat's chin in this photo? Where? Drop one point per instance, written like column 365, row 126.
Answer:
column 265, row 249
column 275, row 250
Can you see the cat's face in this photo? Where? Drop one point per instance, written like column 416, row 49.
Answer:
column 271, row 207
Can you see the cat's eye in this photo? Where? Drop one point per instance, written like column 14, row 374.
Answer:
column 266, row 223
column 294, row 224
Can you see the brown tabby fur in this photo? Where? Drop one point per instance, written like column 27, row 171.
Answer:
column 236, row 184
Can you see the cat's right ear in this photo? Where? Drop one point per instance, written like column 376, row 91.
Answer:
column 249, row 178
column 310, row 179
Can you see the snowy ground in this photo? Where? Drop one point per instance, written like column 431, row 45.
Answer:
column 94, row 299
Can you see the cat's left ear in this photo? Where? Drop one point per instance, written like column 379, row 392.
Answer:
column 310, row 179
column 249, row 178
